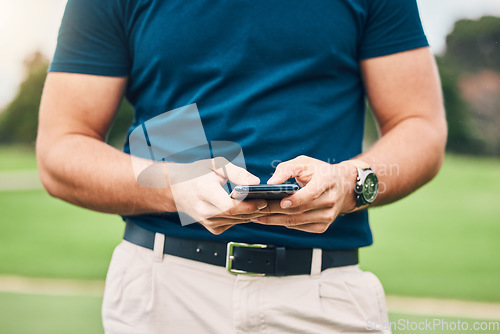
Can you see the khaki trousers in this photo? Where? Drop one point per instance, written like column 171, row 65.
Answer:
column 148, row 292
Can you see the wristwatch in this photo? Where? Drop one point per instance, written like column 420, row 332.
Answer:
column 366, row 187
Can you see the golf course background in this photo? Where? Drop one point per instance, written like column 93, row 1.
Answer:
column 442, row 241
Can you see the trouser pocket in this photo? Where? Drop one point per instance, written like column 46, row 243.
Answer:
column 354, row 298
column 128, row 293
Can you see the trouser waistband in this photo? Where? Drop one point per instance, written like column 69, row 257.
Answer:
column 242, row 258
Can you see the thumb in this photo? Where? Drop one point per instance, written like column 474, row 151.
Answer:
column 239, row 175
column 235, row 174
column 283, row 172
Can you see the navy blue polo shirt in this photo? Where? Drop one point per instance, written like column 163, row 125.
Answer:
column 281, row 78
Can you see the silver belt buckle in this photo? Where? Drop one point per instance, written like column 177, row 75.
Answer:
column 230, row 257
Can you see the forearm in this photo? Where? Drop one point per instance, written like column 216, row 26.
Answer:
column 406, row 157
column 89, row 173
column 405, row 95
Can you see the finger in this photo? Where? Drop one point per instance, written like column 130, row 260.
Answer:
column 219, row 225
column 241, row 209
column 221, row 222
column 225, row 206
column 219, row 230
column 248, row 216
column 218, row 201
column 327, row 200
column 233, row 173
column 216, row 229
column 286, row 170
column 305, row 195
column 312, row 227
column 255, row 214
column 317, row 216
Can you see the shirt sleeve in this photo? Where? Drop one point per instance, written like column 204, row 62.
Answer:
column 92, row 39
column 391, row 26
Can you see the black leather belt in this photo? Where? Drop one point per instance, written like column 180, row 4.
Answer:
column 240, row 258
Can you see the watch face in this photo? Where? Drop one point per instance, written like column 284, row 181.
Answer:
column 370, row 187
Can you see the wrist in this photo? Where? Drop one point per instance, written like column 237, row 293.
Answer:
column 348, row 186
column 365, row 188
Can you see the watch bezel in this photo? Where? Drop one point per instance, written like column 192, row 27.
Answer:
column 363, row 174
column 370, row 174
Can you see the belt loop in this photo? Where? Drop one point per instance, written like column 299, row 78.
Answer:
column 158, row 247
column 316, row 261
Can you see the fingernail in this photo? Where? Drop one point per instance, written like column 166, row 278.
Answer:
column 286, row 204
column 255, row 220
column 262, row 205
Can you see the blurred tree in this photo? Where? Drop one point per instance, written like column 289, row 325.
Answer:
column 482, row 92
column 474, row 45
column 470, row 87
column 472, row 104
column 19, row 120
column 461, row 137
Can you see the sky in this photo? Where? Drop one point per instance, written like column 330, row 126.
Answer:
column 30, row 25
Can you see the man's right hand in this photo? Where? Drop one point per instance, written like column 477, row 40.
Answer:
column 197, row 190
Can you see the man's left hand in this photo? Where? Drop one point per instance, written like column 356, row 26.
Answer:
column 327, row 191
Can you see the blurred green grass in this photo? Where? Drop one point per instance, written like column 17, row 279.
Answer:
column 81, row 315
column 17, row 157
column 45, row 237
column 441, row 241
column 41, row 314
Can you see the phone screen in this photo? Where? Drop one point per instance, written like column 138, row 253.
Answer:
column 264, row 191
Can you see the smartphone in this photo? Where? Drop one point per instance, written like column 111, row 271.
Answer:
column 264, row 191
